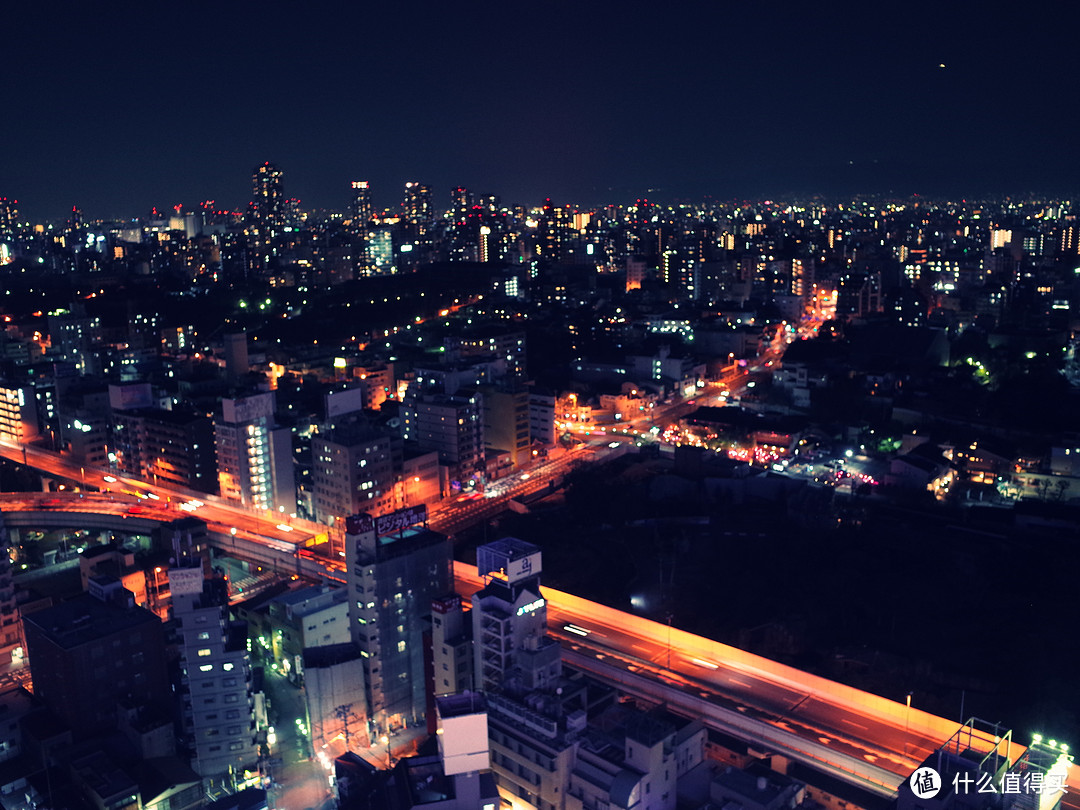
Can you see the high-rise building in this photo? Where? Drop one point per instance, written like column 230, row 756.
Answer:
column 859, row 294
column 215, row 675
column 505, row 344
column 483, row 249
column 254, row 456
column 268, row 198
column 545, row 754
column 452, row 426
column 379, row 252
column 361, row 209
column 416, row 208
column 1069, row 240
column 395, row 569
column 461, row 200
column 680, row 272
column 269, row 212
column 635, row 272
column 534, row 714
column 73, row 335
column 554, row 232
column 9, row 217
column 363, row 213
column 1000, row 237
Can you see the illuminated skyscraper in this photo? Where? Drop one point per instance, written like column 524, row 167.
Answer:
column 9, row 215
column 1069, row 240
column 362, row 211
column 462, row 201
column 553, row 235
column 379, row 252
column 417, row 205
column 268, row 204
column 418, row 216
column 362, row 214
column 268, row 193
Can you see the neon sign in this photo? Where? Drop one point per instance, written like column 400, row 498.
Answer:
column 531, row 607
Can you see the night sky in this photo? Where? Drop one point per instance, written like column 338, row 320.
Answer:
column 120, row 107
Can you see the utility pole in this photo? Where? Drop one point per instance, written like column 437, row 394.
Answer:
column 343, row 713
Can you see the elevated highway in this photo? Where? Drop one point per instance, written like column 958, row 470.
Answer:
column 864, row 739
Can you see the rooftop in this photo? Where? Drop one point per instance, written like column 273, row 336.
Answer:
column 85, row 619
column 460, row 704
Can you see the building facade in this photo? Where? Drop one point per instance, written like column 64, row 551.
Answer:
column 215, row 676
column 451, row 646
column 254, row 456
column 395, row 569
column 353, row 471
column 92, row 652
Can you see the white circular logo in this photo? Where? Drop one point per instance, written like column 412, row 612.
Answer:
column 925, row 783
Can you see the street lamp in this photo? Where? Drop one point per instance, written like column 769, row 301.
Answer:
column 669, row 617
column 907, row 723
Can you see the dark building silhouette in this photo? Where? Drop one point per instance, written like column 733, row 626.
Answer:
column 92, row 652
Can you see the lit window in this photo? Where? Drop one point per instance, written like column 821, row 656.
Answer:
column 206, row 668
column 204, row 652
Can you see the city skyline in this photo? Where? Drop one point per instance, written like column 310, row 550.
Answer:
column 122, row 111
column 772, row 434
column 331, row 335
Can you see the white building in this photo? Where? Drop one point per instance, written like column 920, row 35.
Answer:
column 451, row 646
column 509, row 618
column 254, row 457
column 215, row 670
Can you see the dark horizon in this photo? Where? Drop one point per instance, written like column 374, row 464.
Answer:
column 124, row 108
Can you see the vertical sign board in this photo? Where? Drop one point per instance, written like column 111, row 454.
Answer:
column 357, row 526
column 185, row 581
